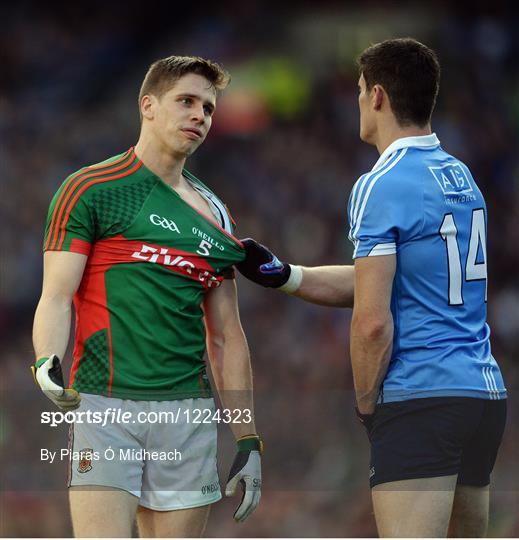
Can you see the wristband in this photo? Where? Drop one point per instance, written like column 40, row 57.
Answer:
column 249, row 443
column 40, row 361
column 36, row 366
column 294, row 281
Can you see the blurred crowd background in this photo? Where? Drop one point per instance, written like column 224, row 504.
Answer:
column 283, row 153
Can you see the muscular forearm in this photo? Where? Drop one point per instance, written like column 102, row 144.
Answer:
column 327, row 286
column 230, row 365
column 370, row 347
column 51, row 327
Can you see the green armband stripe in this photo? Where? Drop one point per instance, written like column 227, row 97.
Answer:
column 247, row 444
column 41, row 361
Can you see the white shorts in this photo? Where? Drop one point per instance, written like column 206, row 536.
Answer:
column 163, row 452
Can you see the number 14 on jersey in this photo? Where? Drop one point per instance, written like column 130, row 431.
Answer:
column 474, row 271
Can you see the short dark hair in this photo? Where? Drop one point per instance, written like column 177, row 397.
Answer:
column 410, row 74
column 164, row 73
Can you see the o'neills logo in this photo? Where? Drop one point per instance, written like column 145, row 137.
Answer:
column 165, row 257
column 207, row 238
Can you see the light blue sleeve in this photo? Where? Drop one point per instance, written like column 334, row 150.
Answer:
column 385, row 211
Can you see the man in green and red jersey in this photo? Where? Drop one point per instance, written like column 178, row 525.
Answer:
column 145, row 251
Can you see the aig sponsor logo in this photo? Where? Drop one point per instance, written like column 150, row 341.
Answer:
column 452, row 179
column 165, row 223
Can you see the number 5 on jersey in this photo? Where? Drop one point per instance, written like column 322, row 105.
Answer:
column 204, row 247
column 474, row 271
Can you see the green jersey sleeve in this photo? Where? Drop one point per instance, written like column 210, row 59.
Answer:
column 70, row 226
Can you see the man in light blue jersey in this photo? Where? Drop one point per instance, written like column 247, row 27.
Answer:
column 428, row 389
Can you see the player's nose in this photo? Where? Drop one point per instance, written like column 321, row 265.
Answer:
column 197, row 114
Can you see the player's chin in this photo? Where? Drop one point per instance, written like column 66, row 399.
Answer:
column 191, row 146
column 186, row 149
column 191, row 149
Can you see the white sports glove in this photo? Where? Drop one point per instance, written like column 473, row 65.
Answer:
column 49, row 377
column 246, row 470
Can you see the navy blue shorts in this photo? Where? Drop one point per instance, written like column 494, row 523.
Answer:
column 430, row 437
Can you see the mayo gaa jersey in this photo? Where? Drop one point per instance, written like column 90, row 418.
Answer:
column 423, row 205
column 140, row 331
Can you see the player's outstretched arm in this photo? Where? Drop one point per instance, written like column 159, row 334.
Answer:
column 327, row 285
column 230, row 364
column 62, row 273
column 324, row 285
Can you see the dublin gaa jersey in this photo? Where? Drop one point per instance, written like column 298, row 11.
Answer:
column 422, row 204
column 140, row 331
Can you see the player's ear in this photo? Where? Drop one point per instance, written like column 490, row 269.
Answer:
column 148, row 106
column 377, row 96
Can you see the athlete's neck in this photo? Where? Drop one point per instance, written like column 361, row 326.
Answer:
column 390, row 133
column 166, row 166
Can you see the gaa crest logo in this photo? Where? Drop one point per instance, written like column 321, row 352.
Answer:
column 85, row 460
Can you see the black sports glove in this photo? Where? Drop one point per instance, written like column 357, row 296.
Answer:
column 366, row 420
column 262, row 266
